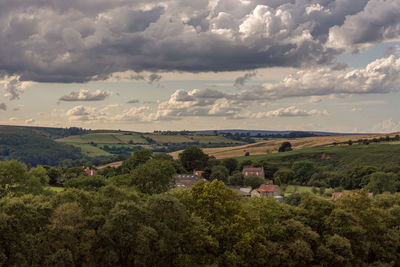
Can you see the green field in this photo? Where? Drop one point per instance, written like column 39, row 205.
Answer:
column 91, row 151
column 99, row 138
column 135, row 138
column 337, row 158
column 169, row 138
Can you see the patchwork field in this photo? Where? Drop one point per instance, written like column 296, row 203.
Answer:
column 271, row 146
column 92, row 144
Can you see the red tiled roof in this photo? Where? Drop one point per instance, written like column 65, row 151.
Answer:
column 267, row 188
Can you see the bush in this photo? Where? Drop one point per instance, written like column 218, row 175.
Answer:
column 285, row 146
column 236, row 179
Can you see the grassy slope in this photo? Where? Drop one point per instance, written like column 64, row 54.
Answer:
column 29, row 145
column 339, row 158
column 273, row 145
column 91, row 151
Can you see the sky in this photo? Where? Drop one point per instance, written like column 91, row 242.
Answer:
column 144, row 65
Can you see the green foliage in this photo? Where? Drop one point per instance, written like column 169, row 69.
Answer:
column 285, row 175
column 380, row 182
column 219, row 172
column 285, row 146
column 29, row 146
column 193, row 158
column 303, row 170
column 139, row 157
column 231, row 164
column 254, row 181
column 153, row 177
column 16, row 179
column 89, row 183
column 237, row 178
column 98, row 221
column 73, row 172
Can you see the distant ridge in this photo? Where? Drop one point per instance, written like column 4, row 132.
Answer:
column 267, row 132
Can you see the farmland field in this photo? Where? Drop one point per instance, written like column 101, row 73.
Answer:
column 101, row 138
column 169, row 138
column 271, row 146
column 135, row 138
column 91, row 151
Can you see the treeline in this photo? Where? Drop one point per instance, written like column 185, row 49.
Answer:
column 135, row 219
column 367, row 141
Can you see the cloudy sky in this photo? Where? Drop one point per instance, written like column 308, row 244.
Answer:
column 328, row 65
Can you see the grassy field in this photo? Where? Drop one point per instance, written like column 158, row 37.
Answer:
column 91, row 151
column 271, row 146
column 169, row 138
column 99, row 138
column 135, row 138
column 338, row 158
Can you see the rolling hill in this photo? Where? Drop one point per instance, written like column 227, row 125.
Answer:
column 271, row 146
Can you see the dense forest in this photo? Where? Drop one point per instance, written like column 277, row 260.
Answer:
column 33, row 147
column 133, row 216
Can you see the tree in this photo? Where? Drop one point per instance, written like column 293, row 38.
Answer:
column 380, row 182
column 73, row 172
column 303, row 171
column 269, row 168
column 350, row 142
column 245, row 163
column 53, row 173
column 162, row 156
column 193, row 158
column 139, row 157
column 236, row 179
column 254, row 181
column 154, row 176
column 285, row 175
column 231, row 164
column 89, row 183
column 285, row 146
column 219, row 172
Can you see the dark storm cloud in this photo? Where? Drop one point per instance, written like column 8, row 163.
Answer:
column 240, row 81
column 82, row 40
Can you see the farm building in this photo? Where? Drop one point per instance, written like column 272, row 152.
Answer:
column 253, row 171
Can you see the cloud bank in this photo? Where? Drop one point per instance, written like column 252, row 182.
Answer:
column 86, row 95
column 78, row 41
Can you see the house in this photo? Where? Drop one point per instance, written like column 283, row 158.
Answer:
column 90, row 172
column 198, row 173
column 267, row 190
column 186, row 180
column 253, row 171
